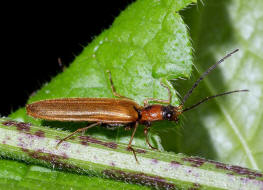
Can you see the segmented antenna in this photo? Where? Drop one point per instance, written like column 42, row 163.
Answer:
column 210, row 97
column 204, row 74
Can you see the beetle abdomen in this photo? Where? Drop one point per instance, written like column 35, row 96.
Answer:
column 105, row 110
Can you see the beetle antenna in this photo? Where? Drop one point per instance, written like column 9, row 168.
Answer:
column 206, row 73
column 210, row 97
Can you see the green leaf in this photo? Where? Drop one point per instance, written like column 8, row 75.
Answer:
column 148, row 43
column 228, row 129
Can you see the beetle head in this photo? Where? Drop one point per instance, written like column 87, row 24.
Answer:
column 171, row 113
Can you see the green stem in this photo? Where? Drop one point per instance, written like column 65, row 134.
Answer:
column 87, row 155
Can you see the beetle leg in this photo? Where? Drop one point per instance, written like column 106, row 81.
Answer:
column 127, row 128
column 146, row 130
column 78, row 131
column 146, row 101
column 129, row 145
column 169, row 93
column 113, row 88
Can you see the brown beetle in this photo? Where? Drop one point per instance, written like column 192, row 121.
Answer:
column 112, row 111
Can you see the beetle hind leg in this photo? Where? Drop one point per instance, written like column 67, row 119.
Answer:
column 78, row 131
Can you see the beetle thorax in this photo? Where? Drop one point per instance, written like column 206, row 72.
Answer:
column 151, row 113
column 158, row 113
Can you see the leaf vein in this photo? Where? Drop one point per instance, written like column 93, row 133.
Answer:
column 235, row 129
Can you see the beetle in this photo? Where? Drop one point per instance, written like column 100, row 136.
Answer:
column 117, row 111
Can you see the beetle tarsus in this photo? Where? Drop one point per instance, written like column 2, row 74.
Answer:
column 134, row 153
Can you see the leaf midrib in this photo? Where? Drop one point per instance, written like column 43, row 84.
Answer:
column 234, row 127
column 232, row 124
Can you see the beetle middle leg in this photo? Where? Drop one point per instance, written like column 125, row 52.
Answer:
column 78, row 131
column 146, row 101
column 129, row 145
column 127, row 128
column 113, row 88
column 146, row 130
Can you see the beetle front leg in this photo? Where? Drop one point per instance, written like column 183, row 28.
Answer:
column 146, row 101
column 113, row 88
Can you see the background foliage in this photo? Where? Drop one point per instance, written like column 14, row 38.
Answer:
column 228, row 129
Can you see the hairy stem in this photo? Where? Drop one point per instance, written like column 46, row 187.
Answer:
column 87, row 155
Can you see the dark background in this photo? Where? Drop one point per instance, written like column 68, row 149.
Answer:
column 34, row 36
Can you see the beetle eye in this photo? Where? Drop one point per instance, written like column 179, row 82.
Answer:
column 168, row 112
column 169, row 116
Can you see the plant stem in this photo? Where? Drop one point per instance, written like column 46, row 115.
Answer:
column 87, row 155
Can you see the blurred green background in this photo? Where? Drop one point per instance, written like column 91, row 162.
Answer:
column 230, row 128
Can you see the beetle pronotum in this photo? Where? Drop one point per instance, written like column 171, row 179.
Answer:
column 112, row 111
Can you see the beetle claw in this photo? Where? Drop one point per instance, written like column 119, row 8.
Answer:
column 134, row 153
